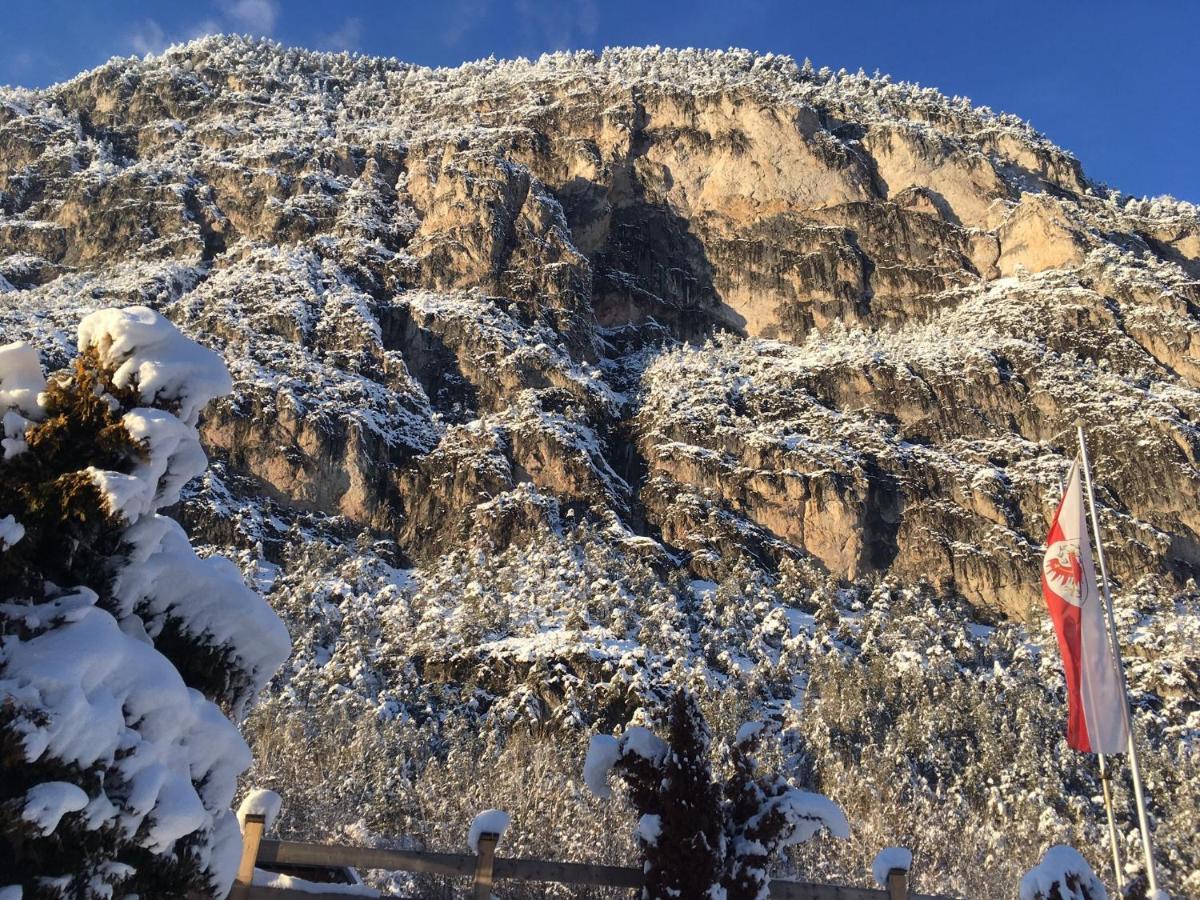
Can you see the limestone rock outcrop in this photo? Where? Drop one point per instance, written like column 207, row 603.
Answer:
column 743, row 309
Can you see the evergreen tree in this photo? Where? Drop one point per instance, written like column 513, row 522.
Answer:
column 690, row 845
column 699, row 838
column 116, row 641
column 763, row 814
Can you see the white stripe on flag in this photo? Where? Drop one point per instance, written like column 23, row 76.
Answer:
column 1100, row 684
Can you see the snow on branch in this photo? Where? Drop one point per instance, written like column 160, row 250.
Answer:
column 147, row 352
column 74, row 692
column 21, row 384
column 1063, row 874
column 11, row 531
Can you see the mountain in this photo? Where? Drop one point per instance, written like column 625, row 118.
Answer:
column 561, row 382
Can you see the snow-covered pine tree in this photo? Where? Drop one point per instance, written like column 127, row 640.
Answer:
column 671, row 787
column 690, row 847
column 763, row 814
column 699, row 838
column 118, row 645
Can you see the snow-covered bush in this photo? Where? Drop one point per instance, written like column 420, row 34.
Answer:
column 699, row 838
column 119, row 646
column 1063, row 874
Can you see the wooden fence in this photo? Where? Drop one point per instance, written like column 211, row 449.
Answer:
column 485, row 869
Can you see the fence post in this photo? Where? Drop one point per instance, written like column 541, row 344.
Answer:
column 252, row 834
column 484, row 863
column 897, row 884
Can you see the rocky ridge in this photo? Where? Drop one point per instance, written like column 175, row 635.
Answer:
column 725, row 313
column 434, row 285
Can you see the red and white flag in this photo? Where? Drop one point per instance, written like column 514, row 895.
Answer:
column 1096, row 720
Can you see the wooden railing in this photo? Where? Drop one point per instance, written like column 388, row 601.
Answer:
column 485, row 868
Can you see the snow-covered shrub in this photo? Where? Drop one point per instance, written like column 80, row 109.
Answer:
column 697, row 837
column 1063, row 874
column 118, row 645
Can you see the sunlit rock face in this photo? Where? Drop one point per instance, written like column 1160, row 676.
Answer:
column 713, row 301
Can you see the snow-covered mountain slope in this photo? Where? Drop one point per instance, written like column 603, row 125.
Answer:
column 559, row 381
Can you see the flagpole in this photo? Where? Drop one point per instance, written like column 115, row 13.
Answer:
column 1134, row 766
column 1109, row 813
column 1112, row 825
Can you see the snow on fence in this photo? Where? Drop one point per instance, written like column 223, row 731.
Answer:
column 485, row 868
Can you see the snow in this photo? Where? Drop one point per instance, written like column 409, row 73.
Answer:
column 290, row 882
column 886, row 860
column 10, row 892
column 649, row 827
column 207, row 598
column 223, row 854
column 604, row 751
column 490, row 821
column 21, row 383
column 11, row 531
column 644, row 743
column 47, row 803
column 748, row 732
column 21, row 379
column 124, row 496
column 260, row 802
column 808, row 813
column 1058, row 863
column 86, row 693
column 174, row 457
column 149, row 353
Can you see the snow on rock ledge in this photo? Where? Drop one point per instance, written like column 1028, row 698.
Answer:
column 147, row 352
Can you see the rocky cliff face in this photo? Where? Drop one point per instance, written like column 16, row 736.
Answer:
column 732, row 317
column 436, row 285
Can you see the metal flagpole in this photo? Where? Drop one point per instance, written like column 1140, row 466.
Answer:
column 1112, row 825
column 1134, row 767
column 1105, row 782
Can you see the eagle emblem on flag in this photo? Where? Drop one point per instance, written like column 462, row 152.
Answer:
column 1062, row 570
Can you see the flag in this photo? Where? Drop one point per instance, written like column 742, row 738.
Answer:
column 1096, row 712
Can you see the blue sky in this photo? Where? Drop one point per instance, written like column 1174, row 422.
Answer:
column 1115, row 82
